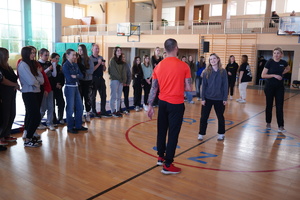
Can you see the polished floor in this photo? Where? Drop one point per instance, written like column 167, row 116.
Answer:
column 116, row 158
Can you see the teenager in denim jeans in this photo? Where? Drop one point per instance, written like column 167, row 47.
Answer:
column 74, row 104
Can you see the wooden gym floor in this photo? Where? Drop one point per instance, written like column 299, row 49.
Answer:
column 116, row 159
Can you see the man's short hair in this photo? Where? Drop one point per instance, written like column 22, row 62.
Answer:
column 170, row 44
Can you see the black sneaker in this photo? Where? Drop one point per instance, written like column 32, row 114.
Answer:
column 82, row 129
column 74, row 131
column 31, row 143
column 105, row 115
column 36, row 140
column 117, row 114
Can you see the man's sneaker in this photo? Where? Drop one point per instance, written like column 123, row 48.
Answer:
column 191, row 102
column 281, row 129
column 36, row 135
column 3, row 148
column 3, row 143
column 268, row 126
column 137, row 109
column 105, row 115
column 88, row 117
column 160, row 161
column 221, row 137
column 31, row 143
column 51, row 127
column 62, row 121
column 145, row 107
column 170, row 170
column 24, row 134
column 242, row 101
column 41, row 127
column 10, row 139
column 200, row 137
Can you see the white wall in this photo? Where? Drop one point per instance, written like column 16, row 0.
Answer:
column 143, row 12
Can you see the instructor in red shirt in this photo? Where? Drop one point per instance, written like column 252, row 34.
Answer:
column 172, row 77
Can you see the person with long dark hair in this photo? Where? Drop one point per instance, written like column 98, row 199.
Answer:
column 31, row 79
column 231, row 68
column 74, row 103
column 147, row 72
column 7, row 98
column 198, row 81
column 58, row 98
column 117, row 73
column 137, row 77
column 214, row 93
column 126, row 86
column 85, row 83
column 273, row 72
column 245, row 76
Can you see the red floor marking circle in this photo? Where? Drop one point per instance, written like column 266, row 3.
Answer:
column 214, row 169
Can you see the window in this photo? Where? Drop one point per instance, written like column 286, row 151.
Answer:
column 255, row 7
column 216, row 9
column 233, row 8
column 292, row 5
column 74, row 12
column 10, row 25
column 169, row 15
column 42, row 24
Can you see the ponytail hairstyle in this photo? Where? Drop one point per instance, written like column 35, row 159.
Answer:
column 42, row 51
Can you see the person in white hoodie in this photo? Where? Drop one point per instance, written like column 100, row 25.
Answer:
column 31, row 79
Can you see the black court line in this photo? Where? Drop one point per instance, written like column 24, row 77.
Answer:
column 153, row 167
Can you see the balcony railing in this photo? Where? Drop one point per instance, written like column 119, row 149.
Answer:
column 231, row 26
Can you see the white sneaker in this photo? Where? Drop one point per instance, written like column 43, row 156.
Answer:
column 145, row 107
column 238, row 100
column 231, row 97
column 51, row 127
column 200, row 137
column 221, row 137
column 88, row 117
column 242, row 101
column 41, row 127
column 36, row 135
column 192, row 102
column 137, row 109
column 24, row 134
column 281, row 129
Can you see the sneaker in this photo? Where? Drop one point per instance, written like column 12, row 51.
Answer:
column 170, row 170
column 221, row 137
column 242, row 101
column 231, row 97
column 51, row 127
column 3, row 148
column 3, row 143
column 137, row 108
column 62, row 121
column 200, row 137
column 81, row 129
column 41, row 127
column 268, row 126
column 126, row 112
column 10, row 139
column 238, row 100
column 154, row 105
column 24, row 134
column 36, row 140
column 74, row 131
column 88, row 117
column 36, row 135
column 117, row 114
column 281, row 129
column 145, row 107
column 160, row 161
column 192, row 102
column 105, row 115
column 31, row 143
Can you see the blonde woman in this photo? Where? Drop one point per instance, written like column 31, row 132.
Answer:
column 214, row 93
column 273, row 72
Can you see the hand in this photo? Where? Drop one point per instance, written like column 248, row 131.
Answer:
column 278, row 77
column 203, row 103
column 229, row 73
column 150, row 112
column 148, row 81
column 58, row 86
column 99, row 61
column 40, row 69
column 17, row 87
column 50, row 67
column 224, row 103
column 74, row 76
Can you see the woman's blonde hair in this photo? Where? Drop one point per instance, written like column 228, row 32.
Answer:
column 208, row 70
